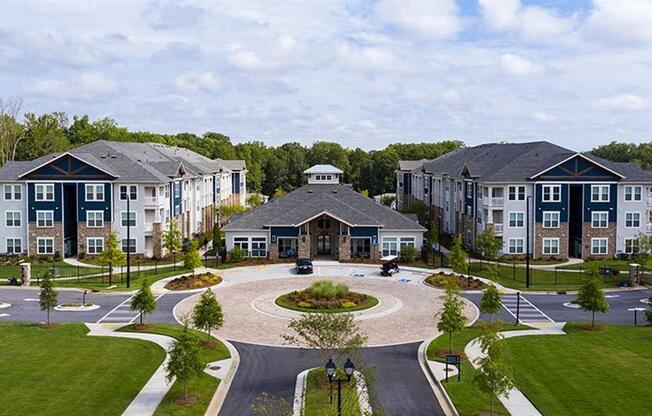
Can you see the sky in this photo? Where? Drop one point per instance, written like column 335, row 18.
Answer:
column 364, row 73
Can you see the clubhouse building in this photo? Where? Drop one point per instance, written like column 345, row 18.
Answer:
column 69, row 202
column 578, row 205
column 323, row 219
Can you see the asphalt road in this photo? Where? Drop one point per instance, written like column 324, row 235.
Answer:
column 398, row 388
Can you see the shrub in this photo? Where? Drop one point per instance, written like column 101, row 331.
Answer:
column 57, row 256
column 408, row 254
column 323, row 289
column 341, row 290
column 304, row 304
column 237, row 254
column 348, row 304
column 81, row 255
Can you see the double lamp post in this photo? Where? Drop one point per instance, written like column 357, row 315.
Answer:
column 331, row 370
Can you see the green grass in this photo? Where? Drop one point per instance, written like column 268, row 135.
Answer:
column 143, row 262
column 64, row 269
column 586, row 372
column 203, row 386
column 370, row 302
column 62, row 371
column 317, row 398
column 468, row 399
column 621, row 265
column 120, row 280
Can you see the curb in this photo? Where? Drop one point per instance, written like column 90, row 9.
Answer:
column 217, row 401
column 438, row 389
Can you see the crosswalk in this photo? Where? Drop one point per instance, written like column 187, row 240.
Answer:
column 122, row 314
column 527, row 313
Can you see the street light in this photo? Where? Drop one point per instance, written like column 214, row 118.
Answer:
column 527, row 241
column 331, row 370
column 128, row 237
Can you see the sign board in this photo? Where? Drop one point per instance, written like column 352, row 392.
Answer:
column 453, row 359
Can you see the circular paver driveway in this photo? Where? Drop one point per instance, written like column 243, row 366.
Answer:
column 406, row 312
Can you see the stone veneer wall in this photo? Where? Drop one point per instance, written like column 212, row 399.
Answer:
column 84, row 232
column 562, row 233
column 56, row 232
column 375, row 252
column 303, row 246
column 157, row 240
column 273, row 251
column 344, row 248
column 588, row 232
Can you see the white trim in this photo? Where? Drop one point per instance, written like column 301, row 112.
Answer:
column 13, row 191
column 94, row 212
column 543, row 219
column 59, row 157
column 128, row 185
column 13, row 249
column 310, row 219
column 551, row 186
column 39, row 239
column 606, row 239
column 509, row 220
column 569, row 158
column 632, row 226
column 94, row 186
column 44, row 211
column 13, row 220
column 543, row 246
column 600, row 212
column 632, row 187
column 88, row 245
column 509, row 240
column 44, row 184
column 135, row 218
column 600, row 193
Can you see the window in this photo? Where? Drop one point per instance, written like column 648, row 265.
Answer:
column 390, row 246
column 516, row 219
column 128, row 219
column 131, row 190
column 129, row 244
column 258, row 247
column 631, row 245
column 407, row 241
column 14, row 246
column 94, row 245
column 242, row 242
column 633, row 193
column 44, row 192
column 550, row 246
column 599, row 193
column 287, row 247
column 95, row 192
column 515, row 246
column 45, row 245
column 12, row 218
column 599, row 246
column 44, row 219
column 469, row 189
column 95, row 219
column 551, row 193
column 516, row 193
column 599, row 219
column 166, row 191
column 632, row 219
column 13, row 192
column 550, row 219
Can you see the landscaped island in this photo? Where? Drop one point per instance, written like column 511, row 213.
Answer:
column 324, row 296
column 193, row 281
column 442, row 279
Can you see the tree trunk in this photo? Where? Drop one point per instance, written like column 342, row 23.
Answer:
column 491, row 406
column 450, row 342
column 208, row 340
column 141, row 318
column 592, row 319
column 48, row 317
column 185, row 390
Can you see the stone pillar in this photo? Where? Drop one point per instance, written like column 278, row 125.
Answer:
column 273, row 251
column 303, row 246
column 375, row 252
column 344, row 248
column 25, row 274
column 157, row 239
column 634, row 270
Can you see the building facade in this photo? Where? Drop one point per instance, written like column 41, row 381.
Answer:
column 323, row 219
column 69, row 202
column 563, row 203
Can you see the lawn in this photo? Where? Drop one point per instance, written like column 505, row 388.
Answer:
column 62, row 269
column 317, row 398
column 120, row 280
column 143, row 261
column 69, row 373
column 203, row 386
column 468, row 399
column 586, row 372
column 622, row 265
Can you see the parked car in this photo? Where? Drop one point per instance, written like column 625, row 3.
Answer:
column 390, row 266
column 304, row 266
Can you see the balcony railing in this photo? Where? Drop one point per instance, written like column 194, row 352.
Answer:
column 492, row 201
column 498, row 228
column 151, row 200
column 149, row 227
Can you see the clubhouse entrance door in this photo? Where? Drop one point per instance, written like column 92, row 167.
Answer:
column 324, row 245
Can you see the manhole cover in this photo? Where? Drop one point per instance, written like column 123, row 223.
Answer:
column 215, row 368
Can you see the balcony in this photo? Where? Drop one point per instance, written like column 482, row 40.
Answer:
column 149, row 228
column 151, row 201
column 648, row 227
column 498, row 228
column 490, row 202
column 649, row 200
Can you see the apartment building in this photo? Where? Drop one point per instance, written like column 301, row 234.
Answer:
column 577, row 205
column 69, row 202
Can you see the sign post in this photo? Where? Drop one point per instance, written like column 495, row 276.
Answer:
column 635, row 310
column 454, row 360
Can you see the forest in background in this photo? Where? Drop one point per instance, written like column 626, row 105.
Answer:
column 28, row 136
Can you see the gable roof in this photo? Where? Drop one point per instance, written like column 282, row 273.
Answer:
column 309, row 201
column 83, row 157
column 323, row 169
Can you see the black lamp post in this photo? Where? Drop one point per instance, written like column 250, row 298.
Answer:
column 527, row 241
column 331, row 370
column 128, row 237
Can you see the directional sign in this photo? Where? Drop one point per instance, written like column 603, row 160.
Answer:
column 453, row 359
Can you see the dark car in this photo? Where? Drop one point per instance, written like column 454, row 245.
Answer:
column 304, row 266
column 389, row 268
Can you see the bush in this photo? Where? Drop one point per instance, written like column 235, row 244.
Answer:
column 348, row 304
column 341, row 290
column 304, row 304
column 81, row 255
column 323, row 289
column 57, row 256
column 237, row 254
column 408, row 254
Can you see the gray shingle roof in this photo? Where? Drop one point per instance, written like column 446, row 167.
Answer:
column 306, row 202
column 323, row 169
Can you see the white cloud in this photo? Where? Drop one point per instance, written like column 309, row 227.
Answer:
column 542, row 117
column 517, row 65
column 365, row 58
column 621, row 22
column 451, row 96
column 500, row 14
column 277, row 53
column 88, row 86
column 624, row 102
column 432, row 19
column 205, row 81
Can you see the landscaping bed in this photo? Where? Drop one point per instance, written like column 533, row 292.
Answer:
column 441, row 279
column 324, row 296
column 317, row 398
column 197, row 281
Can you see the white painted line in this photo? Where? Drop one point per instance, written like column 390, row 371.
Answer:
column 30, row 300
column 109, row 313
column 2, row 315
column 156, row 299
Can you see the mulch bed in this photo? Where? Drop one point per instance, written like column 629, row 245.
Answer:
column 198, row 281
column 142, row 327
column 444, row 353
column 465, row 283
column 588, row 327
column 297, row 297
column 182, row 401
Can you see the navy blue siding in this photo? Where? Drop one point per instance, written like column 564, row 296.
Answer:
column 284, row 232
column 44, row 205
column 235, row 182
column 68, row 168
column 407, row 183
column 578, row 168
column 364, row 232
column 561, row 206
column 83, row 205
column 610, row 206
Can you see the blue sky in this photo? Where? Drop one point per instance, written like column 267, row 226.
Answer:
column 363, row 73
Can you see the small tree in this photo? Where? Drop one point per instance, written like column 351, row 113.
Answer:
column 458, row 256
column 254, row 200
column 492, row 375
column 387, row 200
column 432, row 237
column 278, row 192
column 648, row 313
column 172, row 239
column 48, row 296
column 408, row 254
column 112, row 255
column 237, row 254
column 185, row 361
column 591, row 298
column 208, row 313
column 227, row 211
column 217, row 239
column 488, row 245
column 644, row 243
column 451, row 318
column 490, row 302
column 191, row 258
column 143, row 301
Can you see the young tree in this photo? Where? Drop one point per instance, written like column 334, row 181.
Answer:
column 488, row 245
column 208, row 313
column 387, row 200
column 451, row 318
column 112, row 254
column 493, row 373
column 11, row 130
column 217, row 239
column 227, row 211
column 48, row 296
column 278, row 192
column 490, row 302
column 172, row 238
column 254, row 200
column 648, row 313
column 432, row 237
column 143, row 301
column 191, row 258
column 185, row 361
column 591, row 298
column 644, row 243
column 458, row 256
